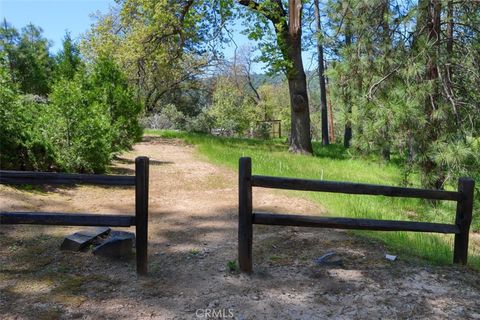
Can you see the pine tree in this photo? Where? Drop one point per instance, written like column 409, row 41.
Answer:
column 68, row 60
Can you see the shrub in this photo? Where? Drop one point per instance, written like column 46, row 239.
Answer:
column 83, row 132
column 107, row 85
column 263, row 130
column 231, row 110
column 202, row 123
column 23, row 145
column 169, row 118
column 85, row 121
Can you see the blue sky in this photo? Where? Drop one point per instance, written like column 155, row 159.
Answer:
column 55, row 17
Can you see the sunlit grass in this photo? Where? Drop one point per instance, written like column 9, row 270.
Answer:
column 334, row 163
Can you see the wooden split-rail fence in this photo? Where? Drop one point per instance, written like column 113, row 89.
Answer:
column 247, row 218
column 139, row 220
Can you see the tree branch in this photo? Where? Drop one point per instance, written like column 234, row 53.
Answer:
column 373, row 88
column 272, row 16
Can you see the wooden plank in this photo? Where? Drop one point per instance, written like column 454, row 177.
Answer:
column 466, row 187
column 245, row 227
column 141, row 213
column 66, row 219
column 350, row 223
column 31, row 177
column 351, row 188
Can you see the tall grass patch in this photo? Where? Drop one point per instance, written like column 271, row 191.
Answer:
column 335, row 164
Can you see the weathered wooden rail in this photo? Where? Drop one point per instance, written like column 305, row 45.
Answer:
column 139, row 220
column 247, row 218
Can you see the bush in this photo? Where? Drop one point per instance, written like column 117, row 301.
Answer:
column 23, row 145
column 87, row 119
column 263, row 130
column 231, row 110
column 202, row 123
column 108, row 86
column 83, row 131
column 169, row 118
column 95, row 115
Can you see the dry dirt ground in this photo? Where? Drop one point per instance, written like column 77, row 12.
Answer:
column 193, row 233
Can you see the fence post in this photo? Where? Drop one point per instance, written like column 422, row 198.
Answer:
column 463, row 219
column 245, row 228
column 141, row 213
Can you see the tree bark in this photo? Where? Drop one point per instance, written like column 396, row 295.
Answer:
column 433, row 176
column 330, row 121
column 450, row 26
column 321, row 76
column 300, row 140
column 347, row 137
column 289, row 40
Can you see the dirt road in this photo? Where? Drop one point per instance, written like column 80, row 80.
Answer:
column 193, row 234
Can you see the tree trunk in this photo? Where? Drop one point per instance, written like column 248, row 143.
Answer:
column 289, row 40
column 450, row 26
column 330, row 122
column 433, row 176
column 300, row 141
column 347, row 137
column 321, row 76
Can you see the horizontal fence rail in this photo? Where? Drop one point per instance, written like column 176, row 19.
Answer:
column 351, row 188
column 67, row 219
column 139, row 220
column 352, row 223
column 247, row 218
column 31, row 177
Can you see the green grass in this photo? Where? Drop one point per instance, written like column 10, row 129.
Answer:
column 232, row 265
column 334, row 163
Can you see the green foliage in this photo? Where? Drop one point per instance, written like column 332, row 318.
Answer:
column 202, row 123
column 399, row 107
column 28, row 58
column 22, row 141
column 68, row 60
column 164, row 48
column 95, row 114
column 89, row 116
column 263, row 130
column 231, row 111
column 83, row 133
column 232, row 265
column 9, row 115
column 316, row 123
column 258, row 26
column 167, row 118
column 274, row 105
column 108, row 86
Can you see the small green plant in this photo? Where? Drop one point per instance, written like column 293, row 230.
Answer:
column 263, row 131
column 194, row 252
column 232, row 265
